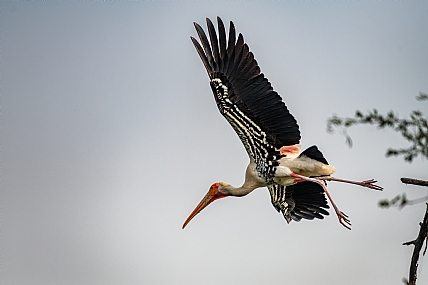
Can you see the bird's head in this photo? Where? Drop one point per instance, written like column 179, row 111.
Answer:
column 217, row 191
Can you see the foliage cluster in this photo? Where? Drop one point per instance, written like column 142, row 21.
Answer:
column 414, row 129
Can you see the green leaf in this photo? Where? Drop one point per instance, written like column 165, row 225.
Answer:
column 422, row 96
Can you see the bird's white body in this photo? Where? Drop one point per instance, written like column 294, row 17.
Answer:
column 301, row 165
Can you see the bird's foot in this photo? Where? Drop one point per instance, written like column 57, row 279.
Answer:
column 366, row 183
column 343, row 219
column 371, row 184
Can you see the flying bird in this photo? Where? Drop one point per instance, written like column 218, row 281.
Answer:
column 270, row 134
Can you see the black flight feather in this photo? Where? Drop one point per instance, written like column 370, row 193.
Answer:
column 304, row 200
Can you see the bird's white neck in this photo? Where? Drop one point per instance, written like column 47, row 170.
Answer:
column 252, row 181
column 229, row 190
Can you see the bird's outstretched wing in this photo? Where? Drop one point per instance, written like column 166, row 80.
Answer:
column 244, row 96
column 304, row 200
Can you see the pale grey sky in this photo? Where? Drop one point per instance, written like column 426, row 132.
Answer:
column 110, row 137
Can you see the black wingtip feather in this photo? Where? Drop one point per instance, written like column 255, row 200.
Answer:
column 232, row 39
column 214, row 43
column 222, row 41
column 205, row 44
column 202, row 55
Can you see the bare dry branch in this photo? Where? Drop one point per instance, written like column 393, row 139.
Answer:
column 418, row 243
column 409, row 242
column 414, row 181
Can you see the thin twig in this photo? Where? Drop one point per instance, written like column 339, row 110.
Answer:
column 417, row 200
column 409, row 242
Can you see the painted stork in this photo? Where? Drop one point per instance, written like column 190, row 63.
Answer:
column 270, row 134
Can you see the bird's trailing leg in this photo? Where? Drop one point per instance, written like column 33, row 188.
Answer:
column 366, row 183
column 343, row 218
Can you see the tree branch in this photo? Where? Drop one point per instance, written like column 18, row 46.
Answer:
column 401, row 200
column 414, row 181
column 418, row 243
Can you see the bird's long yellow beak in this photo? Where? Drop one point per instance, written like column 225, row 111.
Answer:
column 210, row 197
